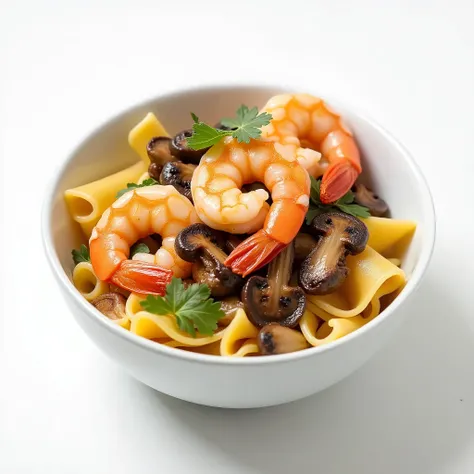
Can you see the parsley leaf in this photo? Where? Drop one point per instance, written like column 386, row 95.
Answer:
column 139, row 247
column 245, row 126
column 81, row 255
column 192, row 307
column 146, row 182
column 345, row 204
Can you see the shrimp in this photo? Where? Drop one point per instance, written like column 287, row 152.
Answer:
column 135, row 215
column 220, row 203
column 303, row 124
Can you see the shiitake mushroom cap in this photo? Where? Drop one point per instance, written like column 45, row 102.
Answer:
column 276, row 339
column 111, row 305
column 339, row 234
column 204, row 246
column 180, row 149
column 179, row 175
column 366, row 197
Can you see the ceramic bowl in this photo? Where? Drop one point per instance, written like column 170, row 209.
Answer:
column 224, row 381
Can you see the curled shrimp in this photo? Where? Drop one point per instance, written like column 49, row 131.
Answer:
column 135, row 215
column 220, row 203
column 303, row 124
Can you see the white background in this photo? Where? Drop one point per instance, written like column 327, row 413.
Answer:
column 66, row 66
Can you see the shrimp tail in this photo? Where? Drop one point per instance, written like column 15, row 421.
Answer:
column 142, row 277
column 254, row 253
column 337, row 180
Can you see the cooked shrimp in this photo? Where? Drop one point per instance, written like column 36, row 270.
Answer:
column 220, row 203
column 303, row 124
column 137, row 214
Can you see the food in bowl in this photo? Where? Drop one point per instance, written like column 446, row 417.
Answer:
column 252, row 237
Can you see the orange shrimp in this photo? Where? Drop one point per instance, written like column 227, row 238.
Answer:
column 303, row 124
column 137, row 214
column 220, row 203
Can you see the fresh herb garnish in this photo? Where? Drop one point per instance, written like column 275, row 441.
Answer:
column 130, row 186
column 245, row 126
column 345, row 204
column 139, row 247
column 192, row 307
column 81, row 255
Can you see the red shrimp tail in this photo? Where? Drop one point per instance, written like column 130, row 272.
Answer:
column 253, row 253
column 141, row 277
column 337, row 180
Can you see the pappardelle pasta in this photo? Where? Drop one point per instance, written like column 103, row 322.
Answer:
column 253, row 237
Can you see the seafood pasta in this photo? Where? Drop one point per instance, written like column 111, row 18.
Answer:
column 251, row 237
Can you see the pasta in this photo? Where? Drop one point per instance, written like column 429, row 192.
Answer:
column 143, row 132
column 87, row 283
column 171, row 257
column 371, row 276
column 88, row 202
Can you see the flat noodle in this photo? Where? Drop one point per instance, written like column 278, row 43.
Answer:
column 371, row 276
column 389, row 237
column 330, row 330
column 88, row 202
column 239, row 333
column 154, row 326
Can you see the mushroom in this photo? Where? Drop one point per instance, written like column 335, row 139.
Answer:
column 275, row 339
column 272, row 300
column 324, row 269
column 111, row 304
column 365, row 197
column 180, row 149
column 158, row 150
column 178, row 175
column 229, row 305
column 202, row 245
column 304, row 244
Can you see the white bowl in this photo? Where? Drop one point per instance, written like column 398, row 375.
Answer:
column 222, row 381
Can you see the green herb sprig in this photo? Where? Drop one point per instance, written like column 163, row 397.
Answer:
column 81, row 255
column 345, row 204
column 139, row 247
column 245, row 126
column 192, row 307
column 130, row 186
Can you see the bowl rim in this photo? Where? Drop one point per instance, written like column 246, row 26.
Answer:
column 427, row 245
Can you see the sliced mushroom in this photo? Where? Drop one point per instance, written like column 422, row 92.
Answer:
column 180, row 149
column 275, row 339
column 272, row 300
column 179, row 175
column 158, row 150
column 229, row 305
column 204, row 246
column 304, row 244
column 324, row 269
column 232, row 242
column 111, row 305
column 365, row 197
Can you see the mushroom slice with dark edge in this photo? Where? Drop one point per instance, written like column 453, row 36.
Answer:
column 202, row 245
column 272, row 300
column 111, row 305
column 324, row 269
column 178, row 175
column 180, row 149
column 275, row 339
column 229, row 305
column 365, row 197
column 158, row 150
column 304, row 244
